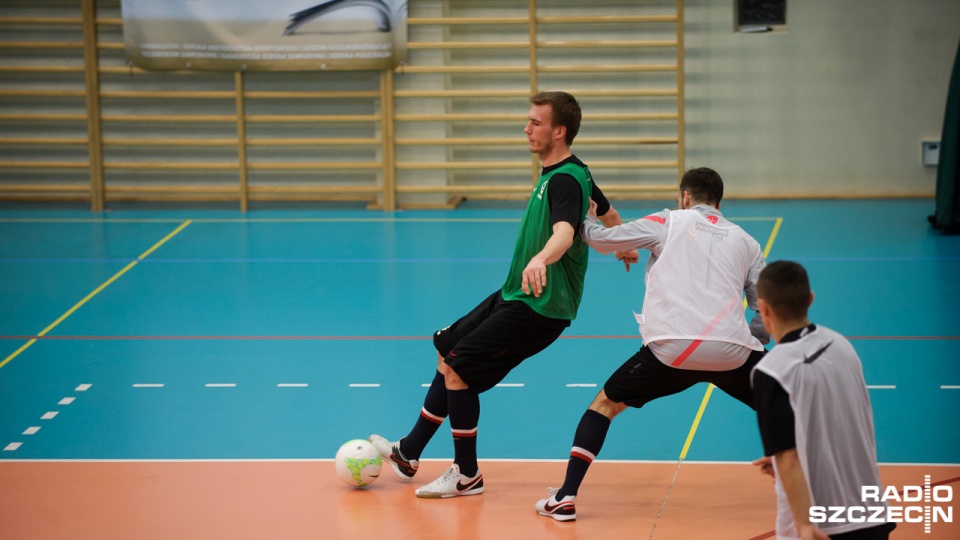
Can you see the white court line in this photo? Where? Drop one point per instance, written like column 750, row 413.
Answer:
column 83, row 388
column 32, row 430
column 950, row 386
column 881, row 387
column 582, row 385
column 364, row 385
column 220, row 385
column 425, row 385
column 12, row 446
column 148, row 385
column 66, row 401
column 510, row 385
column 49, row 415
column 292, row 385
column 439, row 461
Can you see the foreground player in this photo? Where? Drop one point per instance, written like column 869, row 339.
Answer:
column 814, row 413
column 693, row 325
column 539, row 299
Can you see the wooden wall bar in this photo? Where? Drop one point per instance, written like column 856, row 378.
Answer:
column 78, row 123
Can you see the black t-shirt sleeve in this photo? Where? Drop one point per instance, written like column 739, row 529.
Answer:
column 774, row 414
column 565, row 200
column 603, row 205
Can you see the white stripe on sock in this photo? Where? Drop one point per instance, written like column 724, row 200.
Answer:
column 582, row 452
column 464, row 432
column 431, row 416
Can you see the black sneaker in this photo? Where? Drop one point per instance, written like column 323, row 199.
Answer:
column 390, row 452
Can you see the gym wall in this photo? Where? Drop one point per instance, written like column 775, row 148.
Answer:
column 834, row 105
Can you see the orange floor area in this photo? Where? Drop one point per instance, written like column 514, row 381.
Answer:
column 300, row 500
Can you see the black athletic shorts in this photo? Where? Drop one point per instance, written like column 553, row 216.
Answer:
column 485, row 344
column 644, row 378
column 879, row 532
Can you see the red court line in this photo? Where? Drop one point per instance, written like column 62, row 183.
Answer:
column 381, row 338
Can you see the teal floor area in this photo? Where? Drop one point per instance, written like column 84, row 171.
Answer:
column 204, row 333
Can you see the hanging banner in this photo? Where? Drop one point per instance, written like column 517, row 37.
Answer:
column 265, row 35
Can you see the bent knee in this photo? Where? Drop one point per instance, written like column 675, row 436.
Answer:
column 441, row 365
column 453, row 380
column 605, row 406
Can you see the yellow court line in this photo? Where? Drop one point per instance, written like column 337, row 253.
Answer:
column 164, row 240
column 773, row 236
column 95, row 292
column 696, row 422
column 706, row 396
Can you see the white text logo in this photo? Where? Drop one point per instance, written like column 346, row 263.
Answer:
column 913, row 504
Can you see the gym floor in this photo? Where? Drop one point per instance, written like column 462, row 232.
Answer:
column 190, row 373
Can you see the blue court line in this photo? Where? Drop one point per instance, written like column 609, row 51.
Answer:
column 598, row 260
column 869, row 259
column 308, row 220
column 250, row 260
column 330, row 260
column 371, row 338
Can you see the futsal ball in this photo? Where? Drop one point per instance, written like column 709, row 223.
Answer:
column 358, row 463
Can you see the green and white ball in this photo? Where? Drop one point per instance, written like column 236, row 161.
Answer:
column 358, row 463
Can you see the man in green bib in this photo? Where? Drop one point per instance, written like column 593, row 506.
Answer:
column 536, row 303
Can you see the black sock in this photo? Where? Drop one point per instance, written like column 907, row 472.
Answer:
column 432, row 414
column 587, row 442
column 464, row 417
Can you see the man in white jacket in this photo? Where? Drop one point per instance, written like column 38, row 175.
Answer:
column 693, row 324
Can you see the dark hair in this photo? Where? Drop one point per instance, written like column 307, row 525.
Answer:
column 566, row 111
column 785, row 287
column 704, row 184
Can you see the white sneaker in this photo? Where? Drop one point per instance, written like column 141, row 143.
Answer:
column 562, row 510
column 390, row 452
column 452, row 484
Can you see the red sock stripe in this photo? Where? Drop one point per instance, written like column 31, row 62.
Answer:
column 431, row 417
column 462, row 433
column 577, row 452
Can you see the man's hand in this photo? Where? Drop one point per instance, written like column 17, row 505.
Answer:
column 810, row 532
column 627, row 257
column 592, row 209
column 534, row 277
column 766, row 465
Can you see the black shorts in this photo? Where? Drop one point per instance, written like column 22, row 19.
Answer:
column 879, row 532
column 485, row 344
column 644, row 378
